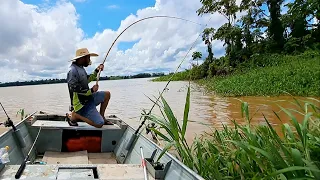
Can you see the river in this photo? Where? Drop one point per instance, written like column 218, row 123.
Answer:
column 130, row 97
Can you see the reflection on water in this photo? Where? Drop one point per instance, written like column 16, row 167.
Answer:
column 130, row 97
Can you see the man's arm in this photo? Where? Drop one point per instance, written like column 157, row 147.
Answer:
column 93, row 76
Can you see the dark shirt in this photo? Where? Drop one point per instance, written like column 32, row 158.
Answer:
column 78, row 85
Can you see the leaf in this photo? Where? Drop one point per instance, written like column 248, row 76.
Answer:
column 245, row 111
column 165, row 149
column 292, row 168
column 186, row 113
column 297, row 160
column 160, row 134
column 172, row 119
column 295, row 123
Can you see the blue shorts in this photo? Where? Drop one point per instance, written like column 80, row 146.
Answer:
column 90, row 111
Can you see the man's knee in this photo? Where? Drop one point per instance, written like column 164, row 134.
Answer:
column 98, row 125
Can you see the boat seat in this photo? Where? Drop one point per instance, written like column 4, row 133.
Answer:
column 45, row 124
column 79, row 157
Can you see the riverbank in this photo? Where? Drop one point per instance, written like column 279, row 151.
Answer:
column 268, row 75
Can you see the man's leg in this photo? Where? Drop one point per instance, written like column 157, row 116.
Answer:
column 88, row 114
column 105, row 102
column 102, row 98
column 75, row 117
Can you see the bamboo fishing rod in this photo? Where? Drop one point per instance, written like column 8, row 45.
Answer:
column 150, row 17
column 133, row 137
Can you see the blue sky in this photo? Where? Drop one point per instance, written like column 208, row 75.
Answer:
column 97, row 15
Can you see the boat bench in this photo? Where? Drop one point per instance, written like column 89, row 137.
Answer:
column 77, row 172
column 44, row 124
column 55, row 130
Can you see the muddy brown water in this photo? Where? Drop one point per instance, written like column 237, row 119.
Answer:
column 130, row 97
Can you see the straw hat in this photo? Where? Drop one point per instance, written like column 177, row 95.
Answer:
column 83, row 52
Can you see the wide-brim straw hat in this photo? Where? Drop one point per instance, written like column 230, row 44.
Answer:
column 83, row 52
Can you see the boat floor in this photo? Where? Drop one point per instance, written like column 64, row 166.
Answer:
column 79, row 157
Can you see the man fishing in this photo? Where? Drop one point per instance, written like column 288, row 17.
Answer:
column 84, row 99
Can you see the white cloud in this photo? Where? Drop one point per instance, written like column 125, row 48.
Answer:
column 113, row 6
column 38, row 42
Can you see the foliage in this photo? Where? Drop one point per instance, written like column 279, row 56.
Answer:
column 272, row 75
column 263, row 74
column 179, row 76
column 256, row 29
column 196, row 56
column 247, row 152
column 21, row 112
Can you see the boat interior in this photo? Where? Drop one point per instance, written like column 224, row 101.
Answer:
column 62, row 151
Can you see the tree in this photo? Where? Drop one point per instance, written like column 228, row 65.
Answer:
column 275, row 28
column 208, row 37
column 228, row 9
column 196, row 55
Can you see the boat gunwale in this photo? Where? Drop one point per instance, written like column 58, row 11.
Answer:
column 18, row 124
column 193, row 173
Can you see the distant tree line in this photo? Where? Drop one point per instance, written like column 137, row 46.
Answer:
column 55, row 81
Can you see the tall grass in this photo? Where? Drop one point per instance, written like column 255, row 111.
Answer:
column 244, row 151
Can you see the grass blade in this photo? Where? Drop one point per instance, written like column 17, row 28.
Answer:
column 186, row 113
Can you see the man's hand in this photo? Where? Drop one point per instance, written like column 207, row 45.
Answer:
column 100, row 67
column 95, row 88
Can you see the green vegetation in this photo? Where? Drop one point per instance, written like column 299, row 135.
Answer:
column 266, row 52
column 247, row 152
column 299, row 77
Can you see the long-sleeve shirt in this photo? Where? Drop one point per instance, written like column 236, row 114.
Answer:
column 78, row 85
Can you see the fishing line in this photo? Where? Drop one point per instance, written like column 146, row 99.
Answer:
column 154, row 104
column 150, row 17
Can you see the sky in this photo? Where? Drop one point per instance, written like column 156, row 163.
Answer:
column 39, row 37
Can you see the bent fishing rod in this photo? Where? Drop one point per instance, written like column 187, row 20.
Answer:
column 150, row 17
column 133, row 137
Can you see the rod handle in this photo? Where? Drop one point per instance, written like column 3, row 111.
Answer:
column 21, row 168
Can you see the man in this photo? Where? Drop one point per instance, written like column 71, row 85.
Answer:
column 84, row 99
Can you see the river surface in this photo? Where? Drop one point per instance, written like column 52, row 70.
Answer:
column 130, row 97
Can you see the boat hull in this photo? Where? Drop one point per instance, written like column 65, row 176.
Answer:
column 114, row 139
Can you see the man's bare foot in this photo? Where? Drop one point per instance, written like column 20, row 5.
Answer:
column 106, row 122
column 72, row 118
